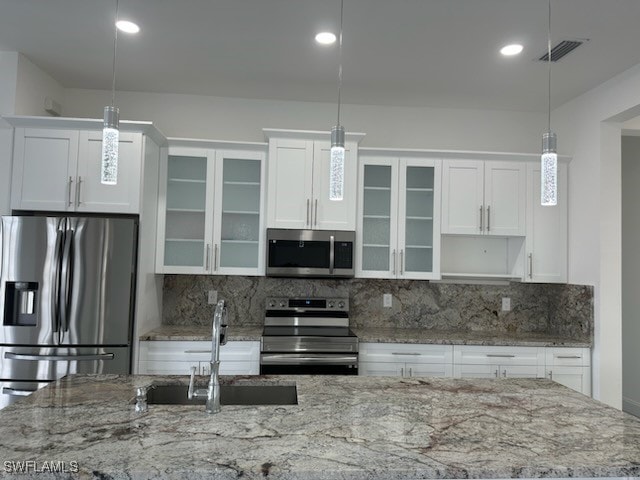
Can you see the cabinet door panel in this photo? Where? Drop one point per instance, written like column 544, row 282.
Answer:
column 328, row 214
column 475, row 371
column 167, row 368
column 522, row 371
column 377, row 218
column 92, row 195
column 505, row 198
column 290, row 184
column 462, row 196
column 576, row 378
column 429, row 370
column 44, row 172
column 546, row 243
column 380, row 369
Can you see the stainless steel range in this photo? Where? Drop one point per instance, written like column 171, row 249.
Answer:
column 308, row 336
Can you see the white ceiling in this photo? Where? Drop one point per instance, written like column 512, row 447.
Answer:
column 395, row 52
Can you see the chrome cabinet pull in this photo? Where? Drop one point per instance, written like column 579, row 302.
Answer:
column 496, row 373
column 402, row 372
column 488, row 219
column 308, row 201
column 401, row 261
column 215, row 257
column 481, row 222
column 504, row 373
column 531, row 265
column 208, row 255
column 569, row 356
column 78, row 191
column 315, row 214
column 498, row 355
column 550, row 374
column 70, row 202
column 394, row 261
column 410, row 372
column 405, row 353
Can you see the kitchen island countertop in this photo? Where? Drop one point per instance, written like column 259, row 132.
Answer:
column 342, row 428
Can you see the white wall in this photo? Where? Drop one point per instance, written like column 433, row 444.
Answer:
column 193, row 116
column 589, row 128
column 33, row 86
column 630, row 274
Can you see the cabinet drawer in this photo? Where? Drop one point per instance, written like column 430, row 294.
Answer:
column 198, row 351
column 405, row 353
column 570, row 357
column 485, row 355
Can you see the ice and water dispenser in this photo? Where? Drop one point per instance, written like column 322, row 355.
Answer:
column 20, row 304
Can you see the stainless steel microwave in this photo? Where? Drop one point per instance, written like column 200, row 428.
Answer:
column 310, row 253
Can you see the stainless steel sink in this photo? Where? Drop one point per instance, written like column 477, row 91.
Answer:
column 229, row 395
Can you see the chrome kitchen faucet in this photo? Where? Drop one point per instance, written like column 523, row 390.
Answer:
column 218, row 338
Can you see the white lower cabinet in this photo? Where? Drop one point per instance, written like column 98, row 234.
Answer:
column 498, row 362
column 570, row 367
column 405, row 360
column 177, row 358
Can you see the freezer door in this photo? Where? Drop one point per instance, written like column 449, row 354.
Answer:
column 12, row 391
column 98, row 281
column 30, row 261
column 51, row 363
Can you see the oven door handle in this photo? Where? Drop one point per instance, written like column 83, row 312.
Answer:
column 58, row 358
column 308, row 359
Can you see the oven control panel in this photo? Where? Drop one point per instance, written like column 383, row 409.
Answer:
column 327, row 304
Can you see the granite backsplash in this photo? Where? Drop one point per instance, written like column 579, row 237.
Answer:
column 563, row 310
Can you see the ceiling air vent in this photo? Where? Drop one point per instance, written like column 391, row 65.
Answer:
column 561, row 49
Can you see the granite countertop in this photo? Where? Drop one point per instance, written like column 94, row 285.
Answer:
column 347, row 428
column 379, row 335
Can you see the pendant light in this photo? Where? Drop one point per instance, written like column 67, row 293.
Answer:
column 111, row 128
column 549, row 159
column 336, row 168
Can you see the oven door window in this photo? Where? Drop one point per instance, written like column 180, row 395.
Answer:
column 298, row 254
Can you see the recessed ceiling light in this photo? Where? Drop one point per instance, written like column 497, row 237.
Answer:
column 325, row 38
column 127, row 26
column 509, row 50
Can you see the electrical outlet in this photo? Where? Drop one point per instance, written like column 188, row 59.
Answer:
column 506, row 304
column 387, row 300
column 212, row 298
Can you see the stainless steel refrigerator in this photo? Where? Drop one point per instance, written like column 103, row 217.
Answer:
column 66, row 297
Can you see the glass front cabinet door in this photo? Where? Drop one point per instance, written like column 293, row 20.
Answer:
column 210, row 211
column 399, row 234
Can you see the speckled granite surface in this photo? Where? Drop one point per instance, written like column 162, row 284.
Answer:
column 347, row 428
column 549, row 309
column 379, row 335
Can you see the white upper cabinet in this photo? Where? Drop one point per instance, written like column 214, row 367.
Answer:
column 298, row 186
column 398, row 222
column 483, row 197
column 210, row 211
column 59, row 170
column 546, row 241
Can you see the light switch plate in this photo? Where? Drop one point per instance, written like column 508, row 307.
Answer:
column 387, row 300
column 506, row 304
column 212, row 298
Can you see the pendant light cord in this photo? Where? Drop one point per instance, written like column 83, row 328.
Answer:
column 115, row 45
column 549, row 62
column 340, row 59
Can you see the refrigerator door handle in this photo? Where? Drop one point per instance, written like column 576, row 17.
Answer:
column 57, row 260
column 66, row 280
column 17, row 392
column 58, row 358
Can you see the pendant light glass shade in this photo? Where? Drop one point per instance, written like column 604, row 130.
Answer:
column 336, row 167
column 110, row 139
column 549, row 170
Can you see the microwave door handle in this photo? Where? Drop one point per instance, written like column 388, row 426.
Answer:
column 332, row 243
